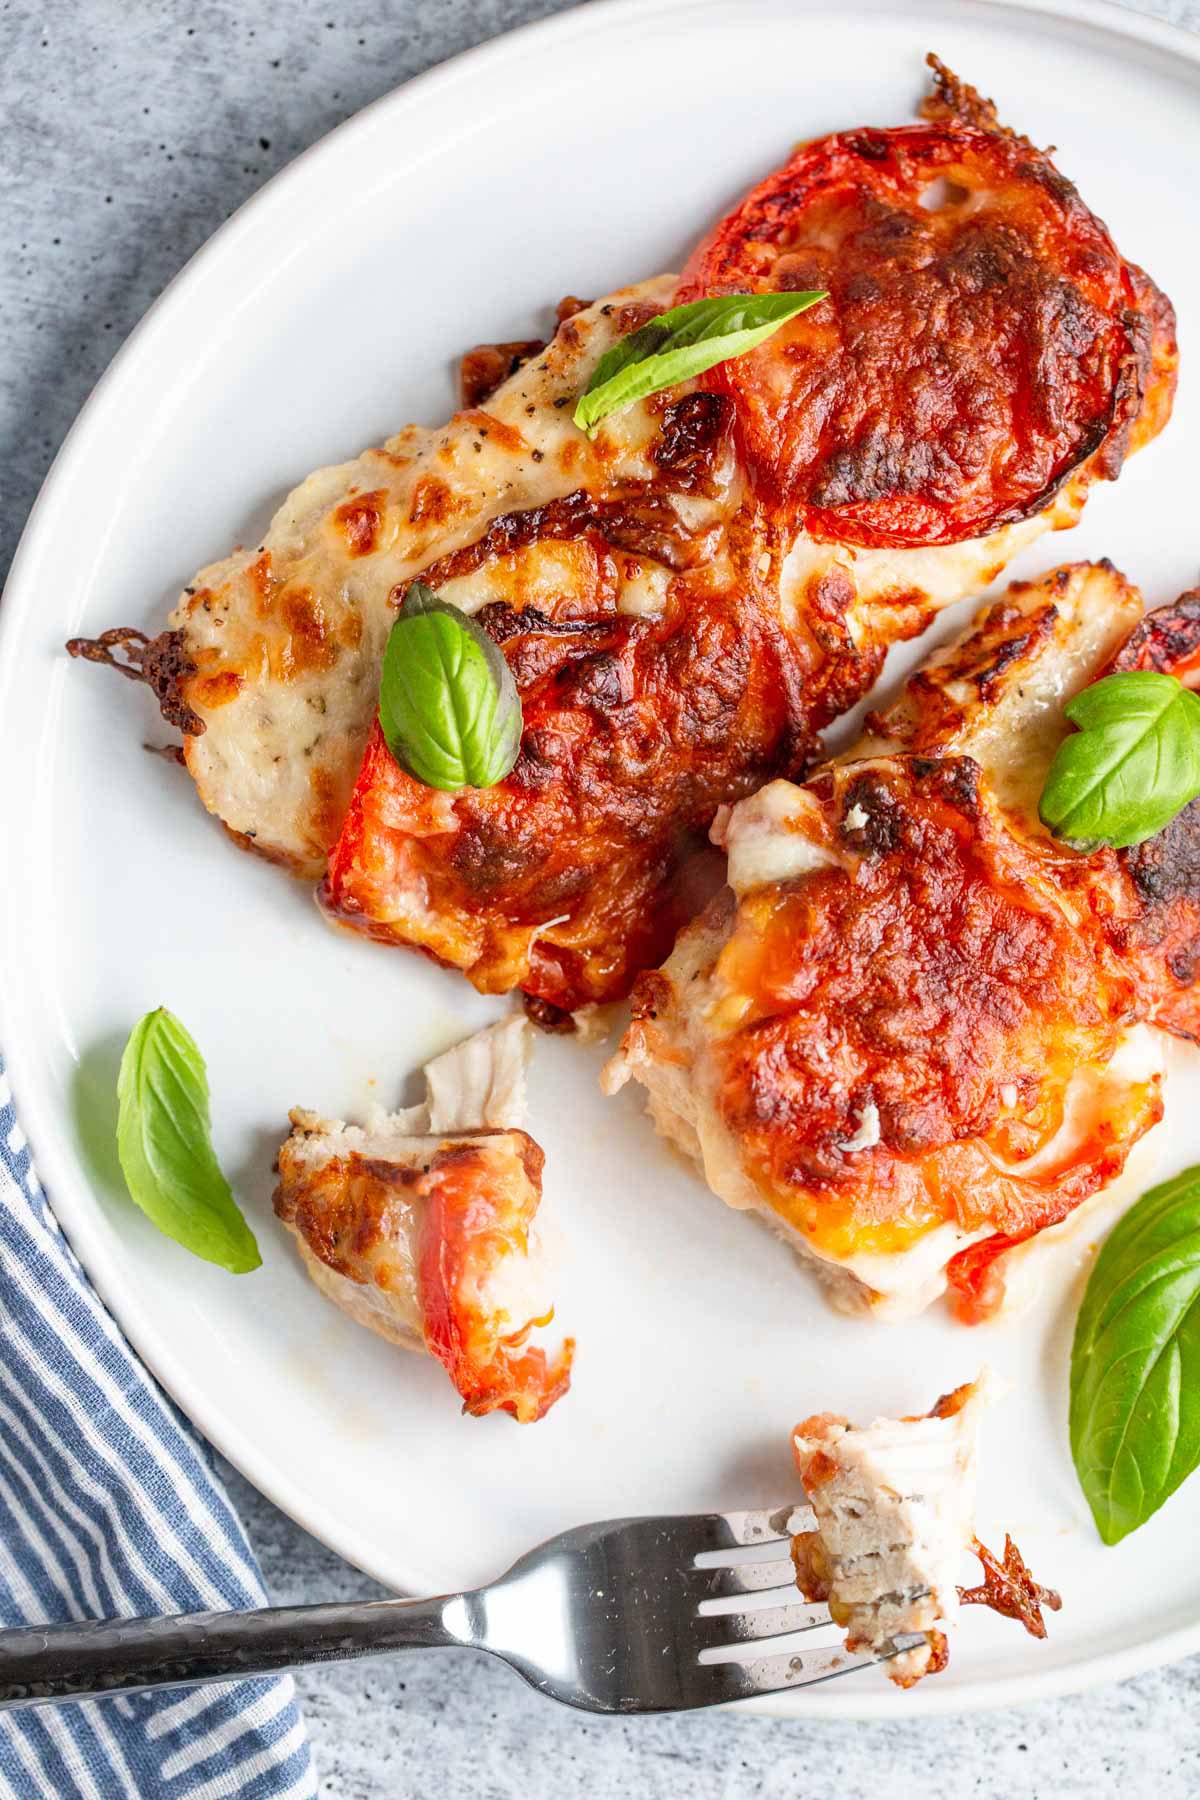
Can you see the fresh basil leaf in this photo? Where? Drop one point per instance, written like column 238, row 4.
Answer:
column 448, row 704
column 1136, row 1361
column 1135, row 1364
column 1131, row 766
column 164, row 1141
column 682, row 343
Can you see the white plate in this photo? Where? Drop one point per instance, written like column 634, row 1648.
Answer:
column 573, row 156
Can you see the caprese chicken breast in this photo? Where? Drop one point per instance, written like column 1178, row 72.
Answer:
column 688, row 595
column 419, row 1224
column 916, row 1029
column 894, row 1506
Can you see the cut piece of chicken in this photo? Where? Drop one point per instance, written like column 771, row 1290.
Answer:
column 683, row 603
column 914, row 1030
column 895, row 1510
column 419, row 1224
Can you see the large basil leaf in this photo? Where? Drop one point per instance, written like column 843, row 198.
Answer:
column 680, row 344
column 164, row 1142
column 448, row 704
column 1135, row 1364
column 1131, row 766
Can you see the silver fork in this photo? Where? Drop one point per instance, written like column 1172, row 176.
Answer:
column 627, row 1616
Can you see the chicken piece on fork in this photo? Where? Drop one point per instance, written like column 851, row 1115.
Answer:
column 894, row 1510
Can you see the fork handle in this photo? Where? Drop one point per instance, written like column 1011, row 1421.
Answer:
column 44, row 1664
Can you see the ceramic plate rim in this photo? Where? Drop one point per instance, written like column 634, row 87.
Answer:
column 600, row 16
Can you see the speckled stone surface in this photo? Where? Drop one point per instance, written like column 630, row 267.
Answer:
column 132, row 128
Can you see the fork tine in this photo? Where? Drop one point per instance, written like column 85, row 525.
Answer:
column 763, row 1526
column 739, row 1578
column 686, row 1536
column 775, row 1674
column 716, row 1629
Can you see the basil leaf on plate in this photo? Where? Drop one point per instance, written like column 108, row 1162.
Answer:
column 164, row 1141
column 448, row 704
column 682, row 343
column 1131, row 766
column 1135, row 1364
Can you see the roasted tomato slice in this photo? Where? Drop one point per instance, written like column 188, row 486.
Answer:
column 982, row 340
column 474, row 1237
column 944, row 971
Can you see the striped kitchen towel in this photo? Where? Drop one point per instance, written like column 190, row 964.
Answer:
column 109, row 1505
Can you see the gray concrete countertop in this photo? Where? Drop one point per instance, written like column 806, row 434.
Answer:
column 132, row 129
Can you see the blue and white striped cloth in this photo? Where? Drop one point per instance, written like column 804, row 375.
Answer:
column 109, row 1505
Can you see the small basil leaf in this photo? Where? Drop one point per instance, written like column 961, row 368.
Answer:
column 164, row 1142
column 680, row 344
column 448, row 704
column 1131, row 766
column 1135, row 1364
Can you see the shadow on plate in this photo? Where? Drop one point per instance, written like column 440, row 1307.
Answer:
column 94, row 1111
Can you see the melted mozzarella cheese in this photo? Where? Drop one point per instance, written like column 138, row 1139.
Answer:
column 287, row 637
column 775, row 835
column 897, row 1285
column 902, row 1283
column 1089, row 1100
column 896, row 589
